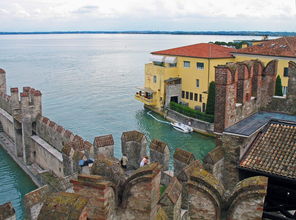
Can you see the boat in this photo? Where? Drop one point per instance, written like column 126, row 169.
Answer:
column 181, row 127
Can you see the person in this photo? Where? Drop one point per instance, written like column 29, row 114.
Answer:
column 123, row 161
column 144, row 161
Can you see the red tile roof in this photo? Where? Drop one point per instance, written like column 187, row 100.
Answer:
column 273, row 152
column 203, row 50
column 282, row 47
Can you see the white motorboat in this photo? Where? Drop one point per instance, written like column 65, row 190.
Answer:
column 181, row 127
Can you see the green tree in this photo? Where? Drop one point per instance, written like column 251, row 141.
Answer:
column 278, row 86
column 210, row 109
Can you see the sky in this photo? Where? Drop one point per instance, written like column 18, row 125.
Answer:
column 156, row 15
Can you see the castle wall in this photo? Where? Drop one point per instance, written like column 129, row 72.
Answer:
column 242, row 89
column 47, row 156
column 52, row 133
column 7, row 123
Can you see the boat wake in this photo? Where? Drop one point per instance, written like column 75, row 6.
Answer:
column 161, row 121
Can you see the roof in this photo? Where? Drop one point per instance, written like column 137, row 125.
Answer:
column 255, row 122
column 202, row 50
column 273, row 152
column 283, row 47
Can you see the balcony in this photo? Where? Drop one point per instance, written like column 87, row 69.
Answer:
column 145, row 95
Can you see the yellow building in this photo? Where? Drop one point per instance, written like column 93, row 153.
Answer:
column 182, row 75
column 282, row 49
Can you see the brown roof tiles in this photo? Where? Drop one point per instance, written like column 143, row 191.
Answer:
column 273, row 151
column 283, row 47
column 202, row 50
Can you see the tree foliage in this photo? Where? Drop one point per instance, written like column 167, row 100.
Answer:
column 278, row 86
column 210, row 109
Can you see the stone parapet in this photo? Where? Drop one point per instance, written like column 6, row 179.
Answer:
column 159, row 152
column 7, row 212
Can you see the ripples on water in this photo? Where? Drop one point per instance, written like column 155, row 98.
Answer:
column 14, row 183
column 88, row 84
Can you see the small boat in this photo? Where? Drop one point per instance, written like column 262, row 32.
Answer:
column 181, row 127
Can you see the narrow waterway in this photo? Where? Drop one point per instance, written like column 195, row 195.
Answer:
column 14, row 183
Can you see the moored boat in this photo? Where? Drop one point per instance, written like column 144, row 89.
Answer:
column 181, row 127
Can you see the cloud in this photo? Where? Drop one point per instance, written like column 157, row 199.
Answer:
column 86, row 9
column 149, row 14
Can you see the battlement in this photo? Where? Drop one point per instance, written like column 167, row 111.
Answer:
column 242, row 88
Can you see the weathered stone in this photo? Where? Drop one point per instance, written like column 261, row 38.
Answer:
column 171, row 199
column 159, row 152
column 7, row 212
column 64, row 205
column 104, row 145
column 100, row 194
column 182, row 158
column 247, row 199
column 141, row 193
column 133, row 145
column 33, row 201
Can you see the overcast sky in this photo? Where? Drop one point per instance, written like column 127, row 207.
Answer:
column 183, row 15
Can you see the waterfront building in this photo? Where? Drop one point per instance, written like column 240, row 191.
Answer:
column 282, row 49
column 182, row 74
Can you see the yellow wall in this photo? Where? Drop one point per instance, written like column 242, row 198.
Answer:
column 162, row 74
column 205, row 76
column 282, row 63
column 188, row 76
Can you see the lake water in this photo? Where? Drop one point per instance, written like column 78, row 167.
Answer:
column 88, row 83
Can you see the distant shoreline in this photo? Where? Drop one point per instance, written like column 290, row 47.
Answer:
column 237, row 33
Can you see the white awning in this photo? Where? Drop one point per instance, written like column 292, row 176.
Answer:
column 170, row 60
column 157, row 58
column 146, row 89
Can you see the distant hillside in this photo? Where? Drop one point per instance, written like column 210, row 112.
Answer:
column 239, row 33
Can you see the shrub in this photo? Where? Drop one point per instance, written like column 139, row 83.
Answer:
column 278, row 86
column 185, row 110
column 210, row 109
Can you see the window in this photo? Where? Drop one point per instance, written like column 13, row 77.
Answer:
column 191, row 96
column 158, row 63
column 186, row 64
column 203, row 107
column 195, row 97
column 200, row 66
column 183, row 94
column 197, row 83
column 286, row 71
column 154, row 79
column 187, row 95
column 172, row 64
column 200, row 97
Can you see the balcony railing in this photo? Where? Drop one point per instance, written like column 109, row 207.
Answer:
column 145, row 100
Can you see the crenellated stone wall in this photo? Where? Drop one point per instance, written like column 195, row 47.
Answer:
column 241, row 89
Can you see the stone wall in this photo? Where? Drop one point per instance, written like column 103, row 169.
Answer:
column 100, row 194
column 133, row 145
column 286, row 104
column 33, row 201
column 182, row 158
column 198, row 125
column 159, row 152
column 7, row 212
column 6, row 121
column 47, row 156
column 104, row 145
column 172, row 88
column 241, row 89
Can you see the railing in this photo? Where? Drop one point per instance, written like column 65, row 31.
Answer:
column 145, row 100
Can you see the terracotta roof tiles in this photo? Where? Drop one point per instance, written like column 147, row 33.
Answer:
column 274, row 151
column 202, row 50
column 283, row 47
